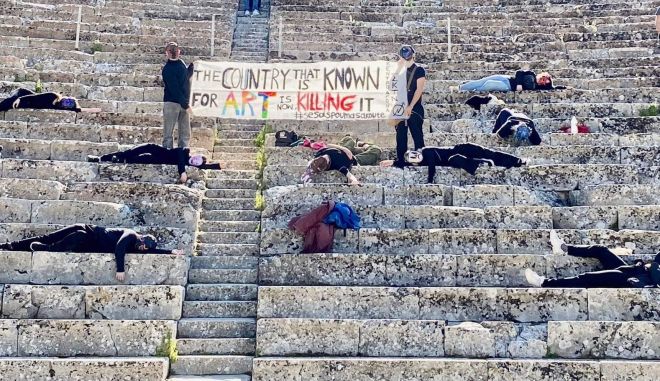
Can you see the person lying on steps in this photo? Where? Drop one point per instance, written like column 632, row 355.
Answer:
column 332, row 158
column 365, row 153
column 516, row 128
column 616, row 272
column 92, row 239
column 468, row 156
column 28, row 99
column 155, row 154
column 522, row 80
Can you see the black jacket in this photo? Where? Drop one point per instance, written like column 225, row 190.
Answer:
column 341, row 159
column 119, row 241
column 527, row 79
column 507, row 122
column 176, row 77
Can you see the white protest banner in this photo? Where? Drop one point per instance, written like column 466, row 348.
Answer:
column 349, row 90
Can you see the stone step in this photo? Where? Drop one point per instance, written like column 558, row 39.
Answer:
column 226, row 262
column 234, row 134
column 92, row 302
column 232, row 226
column 223, row 156
column 216, row 346
column 245, row 142
column 221, row 292
column 231, row 215
column 230, row 193
column 362, row 369
column 231, row 183
column 83, row 337
column 230, row 203
column 211, row 365
column 230, row 237
column 233, row 377
column 219, row 309
column 234, row 174
column 457, row 304
column 91, row 268
column 222, row 276
column 89, row 368
column 239, row 164
column 210, row 249
column 216, row 328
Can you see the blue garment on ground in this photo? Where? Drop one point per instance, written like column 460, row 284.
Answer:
column 343, row 217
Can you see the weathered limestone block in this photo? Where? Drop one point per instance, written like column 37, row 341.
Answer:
column 469, row 340
column 420, row 270
column 174, row 196
column 589, row 175
column 368, row 194
column 595, row 339
column 561, row 266
column 291, row 337
column 640, row 241
column 8, row 338
column 72, row 212
column 74, row 150
column 283, row 241
column 531, row 241
column 408, row 241
column 62, row 171
column 462, row 241
column 546, row 177
column 43, row 302
column 401, row 338
column 338, row 302
column 649, row 139
column 25, row 149
column 617, row 195
column 531, row 342
column 585, row 217
column 639, row 217
column 643, row 156
column 443, row 217
column 548, row 155
column 130, row 369
column 542, row 370
column 499, row 270
column 16, row 267
column 14, row 210
column 629, row 370
column 524, row 196
column 539, row 305
column 386, row 216
column 444, row 175
column 160, row 174
column 68, row 338
column 461, row 304
column 624, row 304
column 417, row 194
column 99, row 269
column 480, row 196
column 30, row 189
column 518, row 217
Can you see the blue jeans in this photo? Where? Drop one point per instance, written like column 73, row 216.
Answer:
column 491, row 83
column 252, row 5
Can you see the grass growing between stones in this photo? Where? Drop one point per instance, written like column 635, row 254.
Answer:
column 38, row 87
column 167, row 348
column 649, row 111
column 262, row 161
column 260, row 140
column 259, row 202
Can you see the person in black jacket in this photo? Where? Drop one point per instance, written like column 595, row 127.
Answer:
column 516, row 128
column 467, row 156
column 24, row 98
column 176, row 109
column 92, row 239
column 522, row 80
column 332, row 158
column 155, row 154
column 616, row 272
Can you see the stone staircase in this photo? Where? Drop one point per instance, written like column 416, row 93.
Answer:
column 250, row 43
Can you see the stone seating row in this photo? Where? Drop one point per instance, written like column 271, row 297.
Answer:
column 556, row 177
column 102, row 338
column 438, row 338
column 48, row 268
column 133, row 302
column 410, row 369
column 466, row 241
column 168, row 238
column 525, row 305
column 421, row 270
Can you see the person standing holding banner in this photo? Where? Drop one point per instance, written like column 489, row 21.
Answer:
column 414, row 112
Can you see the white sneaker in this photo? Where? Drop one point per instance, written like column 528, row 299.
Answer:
column 556, row 243
column 247, row 13
column 533, row 278
column 255, row 13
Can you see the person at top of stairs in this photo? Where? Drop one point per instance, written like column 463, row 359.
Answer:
column 616, row 272
column 154, row 154
column 252, row 7
column 332, row 158
column 92, row 239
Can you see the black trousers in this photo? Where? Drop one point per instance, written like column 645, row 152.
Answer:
column 612, row 276
column 414, row 124
column 71, row 238
column 143, row 154
column 253, row 4
column 7, row 103
column 476, row 152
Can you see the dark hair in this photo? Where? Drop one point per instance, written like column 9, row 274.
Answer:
column 149, row 241
column 173, row 49
column 319, row 164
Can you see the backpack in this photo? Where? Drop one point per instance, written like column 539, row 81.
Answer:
column 285, row 138
column 342, row 216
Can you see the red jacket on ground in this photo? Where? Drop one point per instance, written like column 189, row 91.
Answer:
column 318, row 236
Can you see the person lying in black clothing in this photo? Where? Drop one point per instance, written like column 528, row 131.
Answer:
column 156, row 154
column 92, row 239
column 467, row 156
column 24, row 98
column 332, row 158
column 517, row 128
column 616, row 272
column 522, row 80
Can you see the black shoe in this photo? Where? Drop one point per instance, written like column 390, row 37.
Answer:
column 38, row 246
column 93, row 159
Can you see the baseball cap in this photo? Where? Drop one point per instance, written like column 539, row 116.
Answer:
column 406, row 52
